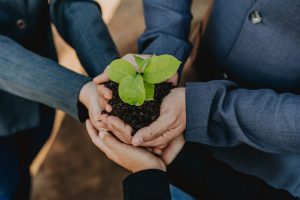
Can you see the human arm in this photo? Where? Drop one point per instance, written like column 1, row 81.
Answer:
column 167, row 28
column 190, row 166
column 195, row 171
column 222, row 113
column 36, row 78
column 147, row 185
column 148, row 181
column 81, row 25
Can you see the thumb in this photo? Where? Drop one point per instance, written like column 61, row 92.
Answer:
column 102, row 78
column 113, row 144
column 154, row 130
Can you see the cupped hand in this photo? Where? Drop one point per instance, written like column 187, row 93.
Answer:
column 114, row 124
column 170, row 124
column 111, row 123
column 131, row 158
column 169, row 153
column 104, row 94
column 89, row 98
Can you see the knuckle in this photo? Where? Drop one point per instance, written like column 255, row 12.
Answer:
column 100, row 88
column 153, row 135
column 159, row 142
column 105, row 138
column 181, row 128
column 173, row 118
column 128, row 129
column 127, row 141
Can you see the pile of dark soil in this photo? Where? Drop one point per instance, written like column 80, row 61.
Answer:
column 138, row 116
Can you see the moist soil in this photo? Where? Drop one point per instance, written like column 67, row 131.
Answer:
column 138, row 116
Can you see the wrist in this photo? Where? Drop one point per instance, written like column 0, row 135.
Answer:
column 158, row 166
column 175, row 153
column 85, row 93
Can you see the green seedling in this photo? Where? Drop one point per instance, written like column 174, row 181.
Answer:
column 137, row 85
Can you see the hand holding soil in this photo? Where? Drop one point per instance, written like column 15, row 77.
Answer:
column 88, row 97
column 170, row 124
column 137, row 107
column 132, row 158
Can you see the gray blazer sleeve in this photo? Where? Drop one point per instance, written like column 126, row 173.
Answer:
column 33, row 77
column 221, row 113
column 81, row 25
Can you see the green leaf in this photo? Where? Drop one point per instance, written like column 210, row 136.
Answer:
column 161, row 68
column 146, row 62
column 149, row 89
column 119, row 69
column 142, row 63
column 139, row 61
column 131, row 90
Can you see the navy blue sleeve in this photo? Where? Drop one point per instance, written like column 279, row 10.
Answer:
column 221, row 113
column 167, row 28
column 81, row 25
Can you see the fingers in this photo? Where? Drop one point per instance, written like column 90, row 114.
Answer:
column 112, row 143
column 121, row 130
column 132, row 158
column 153, row 131
column 130, row 58
column 173, row 80
column 103, row 117
column 93, row 133
column 172, row 150
column 95, row 118
column 104, row 104
column 104, row 92
column 157, row 151
column 100, row 125
column 164, row 139
column 97, row 139
column 102, row 78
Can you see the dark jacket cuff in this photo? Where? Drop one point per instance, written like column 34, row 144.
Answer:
column 199, row 108
column 83, row 112
column 147, row 184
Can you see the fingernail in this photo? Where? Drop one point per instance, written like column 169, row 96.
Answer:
column 108, row 108
column 103, row 129
column 107, row 95
column 137, row 141
column 102, row 133
column 103, row 117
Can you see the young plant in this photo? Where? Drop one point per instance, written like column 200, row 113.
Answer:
column 137, row 86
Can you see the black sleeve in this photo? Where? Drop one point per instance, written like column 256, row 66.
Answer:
column 196, row 172
column 147, row 185
column 186, row 171
column 83, row 113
